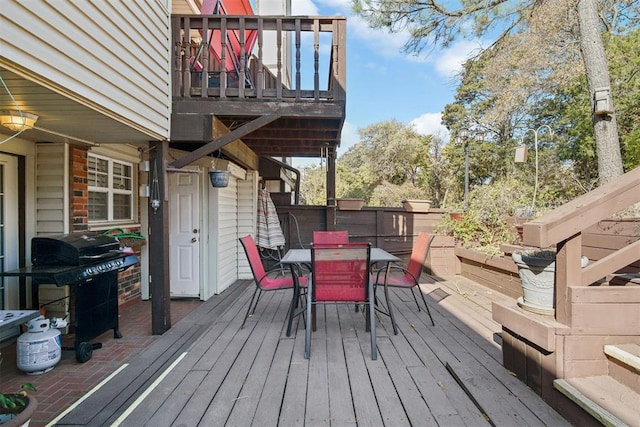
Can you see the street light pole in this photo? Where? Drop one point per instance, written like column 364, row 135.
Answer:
column 535, row 144
column 466, row 174
column 464, row 139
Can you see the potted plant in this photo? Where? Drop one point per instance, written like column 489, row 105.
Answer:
column 416, row 205
column 537, row 270
column 350, row 204
column 17, row 408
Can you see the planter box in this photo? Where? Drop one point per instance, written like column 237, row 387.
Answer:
column 416, row 205
column 350, row 204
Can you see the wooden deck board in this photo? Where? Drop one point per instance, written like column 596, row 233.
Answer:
column 317, row 405
column 434, row 356
column 116, row 395
column 362, row 393
column 411, row 400
column 230, row 390
column 247, row 401
column 342, row 413
column 259, row 376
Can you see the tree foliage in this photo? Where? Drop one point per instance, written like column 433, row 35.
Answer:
column 391, row 162
column 541, row 48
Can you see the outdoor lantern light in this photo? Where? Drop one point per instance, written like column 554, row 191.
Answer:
column 17, row 121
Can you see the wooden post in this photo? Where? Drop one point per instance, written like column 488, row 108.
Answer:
column 159, row 238
column 568, row 271
column 331, row 190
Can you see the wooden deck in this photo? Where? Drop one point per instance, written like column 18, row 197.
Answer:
column 207, row 371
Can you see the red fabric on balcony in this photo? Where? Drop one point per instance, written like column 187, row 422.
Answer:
column 232, row 54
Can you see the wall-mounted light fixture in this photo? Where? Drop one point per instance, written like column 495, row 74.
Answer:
column 17, row 121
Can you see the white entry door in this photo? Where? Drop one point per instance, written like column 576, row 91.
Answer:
column 184, row 234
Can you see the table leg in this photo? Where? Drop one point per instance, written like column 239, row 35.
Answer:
column 294, row 300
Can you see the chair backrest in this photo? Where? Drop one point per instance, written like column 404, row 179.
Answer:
column 341, row 272
column 321, row 237
column 419, row 254
column 253, row 256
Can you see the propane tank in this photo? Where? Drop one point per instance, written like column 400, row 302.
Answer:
column 40, row 348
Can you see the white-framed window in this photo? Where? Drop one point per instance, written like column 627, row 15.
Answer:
column 111, row 184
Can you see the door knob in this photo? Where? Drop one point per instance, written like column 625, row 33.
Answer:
column 193, row 240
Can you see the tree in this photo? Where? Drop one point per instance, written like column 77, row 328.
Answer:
column 432, row 23
column 313, row 185
column 595, row 61
column 390, row 163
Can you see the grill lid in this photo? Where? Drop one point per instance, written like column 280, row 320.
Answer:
column 73, row 249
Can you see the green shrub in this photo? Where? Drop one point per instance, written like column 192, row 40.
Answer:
column 489, row 219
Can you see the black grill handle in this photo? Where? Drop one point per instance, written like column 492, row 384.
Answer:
column 101, row 256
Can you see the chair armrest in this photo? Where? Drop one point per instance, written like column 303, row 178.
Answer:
column 394, row 267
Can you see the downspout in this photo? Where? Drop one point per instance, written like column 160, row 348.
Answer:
column 296, row 172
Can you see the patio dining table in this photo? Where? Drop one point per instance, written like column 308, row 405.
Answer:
column 296, row 257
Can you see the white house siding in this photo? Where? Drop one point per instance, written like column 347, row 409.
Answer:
column 112, row 56
column 227, row 238
column 269, row 45
column 247, row 218
column 52, row 188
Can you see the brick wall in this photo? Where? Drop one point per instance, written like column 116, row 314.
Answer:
column 129, row 280
column 79, row 190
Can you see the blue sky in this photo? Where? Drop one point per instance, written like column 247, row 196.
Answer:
column 417, row 88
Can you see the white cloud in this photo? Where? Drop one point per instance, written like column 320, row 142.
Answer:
column 349, row 138
column 342, row 6
column 304, row 7
column 448, row 62
column 388, row 45
column 430, row 124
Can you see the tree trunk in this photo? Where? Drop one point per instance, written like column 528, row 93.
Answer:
column 605, row 127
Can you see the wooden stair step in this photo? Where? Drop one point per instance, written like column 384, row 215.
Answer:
column 628, row 354
column 608, row 401
column 624, row 279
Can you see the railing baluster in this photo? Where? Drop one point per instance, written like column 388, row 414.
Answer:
column 186, row 52
column 298, row 76
column 255, row 79
column 204, row 80
column 339, row 76
column 243, row 61
column 223, row 57
column 279, row 59
column 260, row 82
column 316, row 59
column 178, row 53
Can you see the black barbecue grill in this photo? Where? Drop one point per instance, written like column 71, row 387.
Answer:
column 90, row 263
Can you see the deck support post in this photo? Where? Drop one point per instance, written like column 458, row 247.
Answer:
column 159, row 238
column 331, row 190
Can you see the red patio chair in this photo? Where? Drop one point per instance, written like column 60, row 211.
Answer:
column 321, row 237
column 407, row 277
column 341, row 274
column 265, row 280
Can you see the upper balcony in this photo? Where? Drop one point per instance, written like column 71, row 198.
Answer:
column 259, row 76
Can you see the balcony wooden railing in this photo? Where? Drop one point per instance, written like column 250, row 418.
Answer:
column 564, row 228
column 295, row 76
